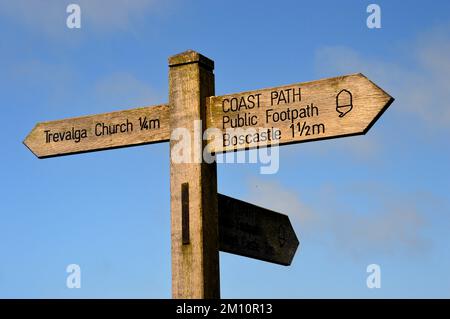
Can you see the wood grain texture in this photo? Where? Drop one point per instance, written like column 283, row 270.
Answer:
column 335, row 107
column 255, row 232
column 195, row 266
column 102, row 131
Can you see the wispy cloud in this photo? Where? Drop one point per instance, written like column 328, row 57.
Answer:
column 419, row 78
column 57, row 86
column 117, row 14
column 394, row 225
column 46, row 15
column 49, row 16
column 366, row 149
column 125, row 90
column 51, row 83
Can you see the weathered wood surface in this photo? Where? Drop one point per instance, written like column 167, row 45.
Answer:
column 335, row 107
column 195, row 256
column 252, row 231
column 99, row 132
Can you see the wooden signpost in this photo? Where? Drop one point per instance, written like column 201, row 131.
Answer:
column 193, row 185
column 203, row 221
column 252, row 231
column 100, row 132
column 342, row 106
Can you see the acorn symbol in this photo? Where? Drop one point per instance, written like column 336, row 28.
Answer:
column 344, row 102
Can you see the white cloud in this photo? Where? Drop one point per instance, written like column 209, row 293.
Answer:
column 36, row 71
column 59, row 87
column 273, row 196
column 394, row 225
column 124, row 90
column 418, row 78
column 366, row 148
column 49, row 16
column 52, row 82
column 116, row 14
column 46, row 15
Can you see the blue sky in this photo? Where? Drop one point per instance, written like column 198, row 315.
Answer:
column 381, row 198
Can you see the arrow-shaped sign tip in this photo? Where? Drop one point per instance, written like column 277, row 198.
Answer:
column 294, row 243
column 385, row 99
column 29, row 143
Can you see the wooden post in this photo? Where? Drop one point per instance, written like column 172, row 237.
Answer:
column 193, row 186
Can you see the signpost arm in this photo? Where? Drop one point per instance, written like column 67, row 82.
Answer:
column 193, row 185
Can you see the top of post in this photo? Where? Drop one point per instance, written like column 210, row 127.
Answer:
column 190, row 56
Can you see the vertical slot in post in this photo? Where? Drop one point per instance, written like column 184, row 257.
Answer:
column 185, row 213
